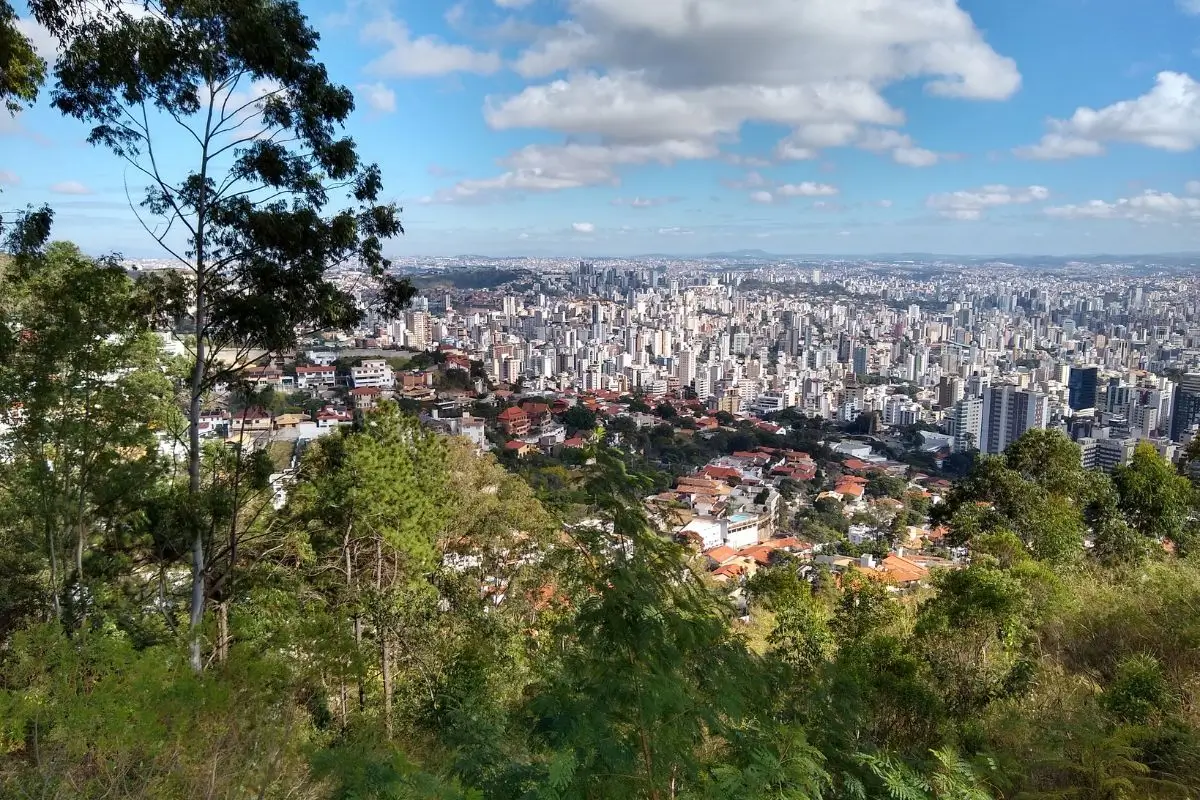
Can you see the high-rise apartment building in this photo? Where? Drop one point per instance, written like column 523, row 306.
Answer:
column 1007, row 413
column 966, row 424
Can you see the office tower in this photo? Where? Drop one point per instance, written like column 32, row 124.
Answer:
column 1007, row 413
column 1185, row 411
column 966, row 424
column 860, row 361
column 816, row 277
column 1082, row 387
column 845, row 347
column 795, row 341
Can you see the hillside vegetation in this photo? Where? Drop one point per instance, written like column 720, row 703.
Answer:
column 414, row 623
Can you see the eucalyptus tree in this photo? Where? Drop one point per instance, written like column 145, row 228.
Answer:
column 235, row 132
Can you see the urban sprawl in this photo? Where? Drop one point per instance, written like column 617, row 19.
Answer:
column 898, row 372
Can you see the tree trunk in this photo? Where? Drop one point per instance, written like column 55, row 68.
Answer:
column 355, row 619
column 52, row 546
column 222, row 631
column 198, row 566
column 385, row 659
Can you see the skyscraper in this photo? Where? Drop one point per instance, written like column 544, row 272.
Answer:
column 1007, row 413
column 1082, row 386
column 1186, row 408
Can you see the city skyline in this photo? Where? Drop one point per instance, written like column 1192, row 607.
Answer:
column 594, row 127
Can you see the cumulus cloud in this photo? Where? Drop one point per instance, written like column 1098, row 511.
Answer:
column 970, row 204
column 1189, row 6
column 1167, row 118
column 631, row 72
column 583, row 227
column 70, row 187
column 806, row 142
column 1150, row 206
column 425, row 56
column 379, row 97
column 1192, row 187
column 768, row 191
column 671, row 81
column 538, row 168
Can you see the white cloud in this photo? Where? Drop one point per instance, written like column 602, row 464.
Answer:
column 914, row 157
column 806, row 189
column 642, row 202
column 884, row 203
column 513, row 3
column 583, row 227
column 1189, row 6
column 379, row 97
column 762, row 196
column 70, row 187
column 425, row 56
column 1150, row 206
column 971, row 204
column 651, row 72
column 1167, row 118
column 553, row 167
column 9, row 178
column 675, row 232
column 1192, row 187
column 805, row 143
column 646, row 71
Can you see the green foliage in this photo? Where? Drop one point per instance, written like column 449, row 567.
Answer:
column 1153, row 496
column 578, row 419
column 22, row 70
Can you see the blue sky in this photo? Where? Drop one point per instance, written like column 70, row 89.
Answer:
column 618, row 127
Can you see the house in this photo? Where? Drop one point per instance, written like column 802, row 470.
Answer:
column 472, row 429
column 415, row 379
column 538, row 413
column 267, row 378
column 288, row 421
column 514, row 422
column 373, row 373
column 365, row 397
column 519, row 447
column 250, row 419
column 214, row 423
column 315, row 377
column 720, row 555
column 333, row 418
column 895, row 570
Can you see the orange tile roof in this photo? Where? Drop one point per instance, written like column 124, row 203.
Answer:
column 721, row 553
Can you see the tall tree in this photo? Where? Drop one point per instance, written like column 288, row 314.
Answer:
column 261, row 195
column 82, row 389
